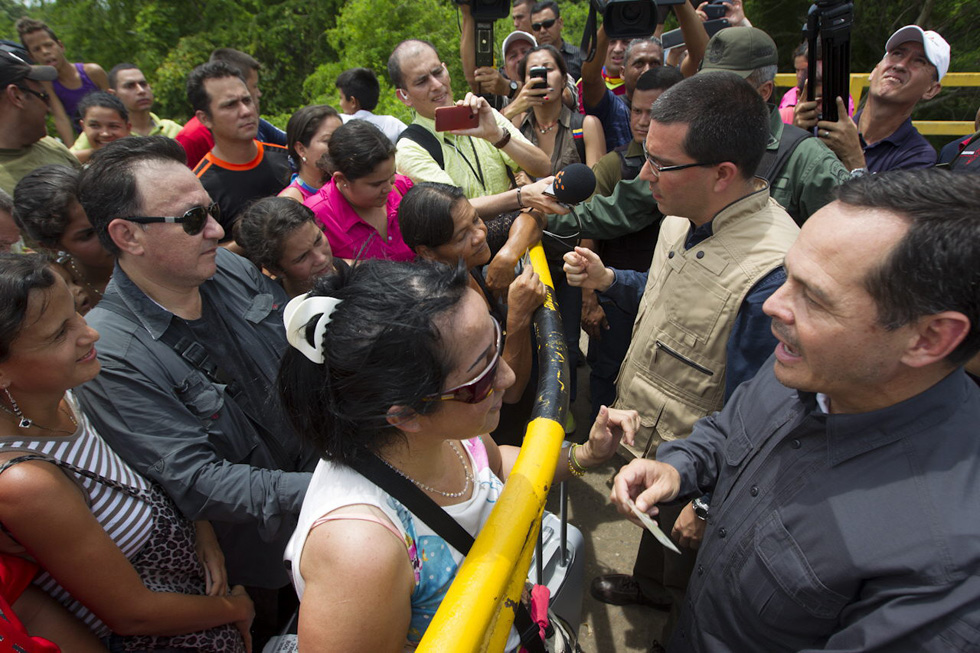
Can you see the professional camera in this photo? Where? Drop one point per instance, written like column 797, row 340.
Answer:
column 626, row 19
column 485, row 12
column 487, row 9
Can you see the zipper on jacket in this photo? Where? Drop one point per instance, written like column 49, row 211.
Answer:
column 684, row 359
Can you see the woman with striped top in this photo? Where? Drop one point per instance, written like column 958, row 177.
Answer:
column 113, row 548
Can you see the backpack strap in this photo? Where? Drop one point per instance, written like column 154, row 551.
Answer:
column 419, row 134
column 773, row 161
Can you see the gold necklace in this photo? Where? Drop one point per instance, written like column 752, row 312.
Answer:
column 81, row 277
column 423, row 486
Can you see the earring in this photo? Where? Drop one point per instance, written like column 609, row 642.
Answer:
column 25, row 422
column 304, row 159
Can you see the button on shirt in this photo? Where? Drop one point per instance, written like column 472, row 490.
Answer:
column 835, row 532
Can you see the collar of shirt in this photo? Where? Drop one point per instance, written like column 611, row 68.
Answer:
column 850, row 435
column 744, row 206
column 154, row 317
column 897, row 138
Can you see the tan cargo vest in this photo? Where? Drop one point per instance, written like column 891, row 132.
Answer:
column 674, row 371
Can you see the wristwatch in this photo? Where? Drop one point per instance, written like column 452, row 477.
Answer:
column 513, row 90
column 701, row 508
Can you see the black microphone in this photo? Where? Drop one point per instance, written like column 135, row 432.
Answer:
column 572, row 185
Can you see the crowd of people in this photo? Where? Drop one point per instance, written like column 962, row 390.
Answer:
column 220, row 339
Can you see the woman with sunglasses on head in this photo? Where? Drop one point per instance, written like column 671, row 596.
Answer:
column 402, row 362
column 47, row 210
column 114, row 549
column 307, row 134
column 283, row 237
column 359, row 205
column 440, row 224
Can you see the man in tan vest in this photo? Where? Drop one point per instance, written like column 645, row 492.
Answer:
column 700, row 329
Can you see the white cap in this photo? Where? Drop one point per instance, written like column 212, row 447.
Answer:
column 516, row 35
column 935, row 46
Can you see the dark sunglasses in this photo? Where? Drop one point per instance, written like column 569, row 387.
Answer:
column 547, row 24
column 44, row 97
column 482, row 386
column 193, row 221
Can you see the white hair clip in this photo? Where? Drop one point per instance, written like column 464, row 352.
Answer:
column 298, row 313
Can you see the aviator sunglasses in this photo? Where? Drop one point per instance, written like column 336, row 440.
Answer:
column 193, row 221
column 482, row 386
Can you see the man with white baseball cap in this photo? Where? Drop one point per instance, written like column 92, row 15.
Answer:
column 881, row 136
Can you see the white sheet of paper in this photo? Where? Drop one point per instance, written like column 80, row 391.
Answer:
column 653, row 528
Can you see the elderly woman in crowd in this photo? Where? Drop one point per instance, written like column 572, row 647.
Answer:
column 399, row 362
column 114, row 549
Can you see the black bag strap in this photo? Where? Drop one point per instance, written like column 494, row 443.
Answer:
column 196, row 354
column 629, row 166
column 773, row 161
column 419, row 134
column 422, row 506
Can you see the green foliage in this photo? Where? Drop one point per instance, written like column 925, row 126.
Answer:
column 304, row 45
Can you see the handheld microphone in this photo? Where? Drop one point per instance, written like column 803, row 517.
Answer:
column 573, row 184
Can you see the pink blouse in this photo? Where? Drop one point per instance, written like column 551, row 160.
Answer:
column 349, row 236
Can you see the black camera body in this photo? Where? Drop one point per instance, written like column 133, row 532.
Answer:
column 485, row 12
column 487, row 9
column 630, row 19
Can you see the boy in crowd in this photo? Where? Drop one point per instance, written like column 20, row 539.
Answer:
column 359, row 92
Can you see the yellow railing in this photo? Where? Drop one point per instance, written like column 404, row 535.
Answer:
column 859, row 82
column 478, row 611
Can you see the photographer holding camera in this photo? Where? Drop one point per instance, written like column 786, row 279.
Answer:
column 642, row 54
column 881, row 136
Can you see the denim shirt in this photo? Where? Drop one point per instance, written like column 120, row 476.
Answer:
column 164, row 417
column 836, row 532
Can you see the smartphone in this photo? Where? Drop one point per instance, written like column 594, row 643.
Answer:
column 453, row 118
column 539, row 73
column 714, row 11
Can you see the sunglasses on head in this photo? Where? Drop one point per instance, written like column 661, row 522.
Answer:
column 547, row 24
column 193, row 221
column 482, row 386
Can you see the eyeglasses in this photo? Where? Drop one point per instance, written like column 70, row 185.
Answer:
column 40, row 94
column 546, row 24
column 193, row 221
column 482, row 386
column 658, row 169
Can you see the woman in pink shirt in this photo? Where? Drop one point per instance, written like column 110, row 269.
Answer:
column 358, row 207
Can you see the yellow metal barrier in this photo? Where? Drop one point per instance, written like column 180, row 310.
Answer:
column 478, row 610
column 860, row 81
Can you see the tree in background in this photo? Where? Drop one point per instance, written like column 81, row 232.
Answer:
column 303, row 44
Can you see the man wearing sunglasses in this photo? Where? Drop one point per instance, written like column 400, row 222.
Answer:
column 191, row 337
column 546, row 24
column 24, row 141
column 700, row 329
